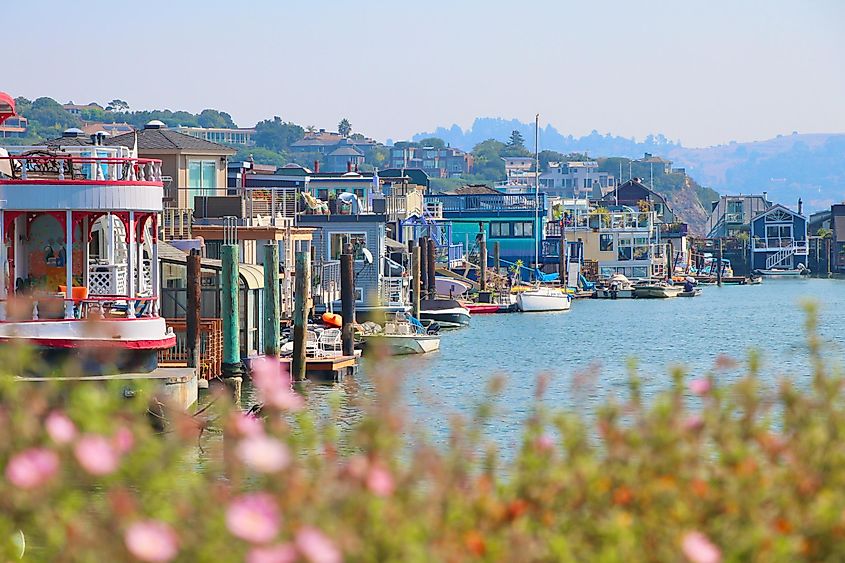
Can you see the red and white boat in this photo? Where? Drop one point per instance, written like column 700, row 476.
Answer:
column 84, row 218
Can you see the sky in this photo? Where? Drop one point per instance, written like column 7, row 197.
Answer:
column 704, row 72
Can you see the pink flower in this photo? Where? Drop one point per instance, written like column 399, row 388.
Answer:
column 151, row 540
column 272, row 380
column 254, row 517
column 281, row 553
column 96, row 454
column 316, row 547
column 123, row 440
column 700, row 386
column 699, row 549
column 247, row 424
column 60, row 428
column 545, row 443
column 380, row 481
column 263, row 454
column 32, row 468
column 693, row 423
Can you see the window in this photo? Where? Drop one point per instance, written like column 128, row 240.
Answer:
column 778, row 231
column 606, row 243
column 625, row 250
column 500, row 230
column 202, row 178
column 641, row 250
column 338, row 240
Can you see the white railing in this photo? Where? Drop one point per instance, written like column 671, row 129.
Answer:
column 779, row 257
column 96, row 163
column 393, row 290
column 276, row 206
column 107, row 279
column 176, row 223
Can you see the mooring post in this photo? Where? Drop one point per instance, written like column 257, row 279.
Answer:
column 347, row 303
column 424, row 266
column 561, row 259
column 415, row 280
column 719, row 265
column 230, row 312
column 300, row 316
column 482, row 257
column 192, row 318
column 411, row 245
column 431, row 255
column 497, row 258
column 272, row 330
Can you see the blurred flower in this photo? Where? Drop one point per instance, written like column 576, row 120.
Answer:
column 700, row 386
column 545, row 443
column 263, row 453
column 32, row 468
column 123, row 440
column 272, row 380
column 247, row 424
column 380, row 481
column 724, row 362
column 151, row 540
column 693, row 423
column 96, row 454
column 60, row 428
column 254, row 517
column 698, row 549
column 316, row 547
column 281, row 553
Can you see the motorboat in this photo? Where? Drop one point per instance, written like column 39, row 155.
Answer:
column 617, row 286
column 403, row 334
column 448, row 313
column 450, row 287
column 800, row 270
column 542, row 298
column 657, row 291
column 695, row 292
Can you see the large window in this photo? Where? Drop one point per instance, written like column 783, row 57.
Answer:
column 523, row 229
column 515, row 229
column 338, row 240
column 625, row 249
column 500, row 230
column 641, row 249
column 778, row 231
column 606, row 243
column 202, row 178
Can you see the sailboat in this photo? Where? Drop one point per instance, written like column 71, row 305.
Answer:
column 540, row 298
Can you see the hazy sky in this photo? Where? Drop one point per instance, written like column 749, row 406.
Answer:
column 703, row 71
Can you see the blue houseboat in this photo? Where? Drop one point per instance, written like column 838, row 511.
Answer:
column 779, row 241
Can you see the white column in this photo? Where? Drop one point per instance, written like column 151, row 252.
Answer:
column 4, row 265
column 131, row 265
column 156, row 291
column 110, row 239
column 69, row 264
column 86, row 257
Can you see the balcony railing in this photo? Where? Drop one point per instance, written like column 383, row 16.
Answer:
column 327, row 282
column 42, row 165
column 618, row 221
column 678, row 229
column 487, row 202
column 451, row 255
column 393, row 290
column 211, row 346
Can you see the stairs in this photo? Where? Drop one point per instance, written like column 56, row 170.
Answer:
column 779, row 257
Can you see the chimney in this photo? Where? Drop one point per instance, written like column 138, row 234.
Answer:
column 766, row 196
column 800, row 206
column 316, row 167
column 349, row 166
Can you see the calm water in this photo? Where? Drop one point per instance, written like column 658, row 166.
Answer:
column 587, row 349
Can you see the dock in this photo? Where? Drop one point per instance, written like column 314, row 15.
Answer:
column 331, row 367
column 179, row 384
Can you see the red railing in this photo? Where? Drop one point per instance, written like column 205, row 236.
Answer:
column 30, row 167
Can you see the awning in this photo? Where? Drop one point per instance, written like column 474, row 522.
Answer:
column 7, row 106
column 394, row 246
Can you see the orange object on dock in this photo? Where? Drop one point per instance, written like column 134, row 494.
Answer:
column 332, row 319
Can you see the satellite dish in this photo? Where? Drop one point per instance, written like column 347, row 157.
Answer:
column 368, row 256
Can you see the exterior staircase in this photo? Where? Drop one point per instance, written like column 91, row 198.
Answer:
column 779, row 257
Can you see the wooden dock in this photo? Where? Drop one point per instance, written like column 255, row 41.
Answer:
column 331, row 367
column 178, row 383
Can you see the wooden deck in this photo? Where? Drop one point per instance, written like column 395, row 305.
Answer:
column 321, row 368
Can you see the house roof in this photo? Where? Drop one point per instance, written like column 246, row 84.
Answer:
column 152, row 139
column 774, row 207
column 346, row 151
column 475, row 189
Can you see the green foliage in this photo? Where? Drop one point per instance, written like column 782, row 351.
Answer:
column 277, row 135
column 516, row 141
column 488, row 160
column 735, row 471
column 344, row 127
column 214, row 118
column 47, row 118
column 261, row 156
column 434, row 142
column 378, row 156
column 117, row 105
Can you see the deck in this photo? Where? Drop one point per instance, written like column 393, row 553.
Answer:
column 330, row 367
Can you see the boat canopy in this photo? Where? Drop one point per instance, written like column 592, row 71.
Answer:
column 7, row 106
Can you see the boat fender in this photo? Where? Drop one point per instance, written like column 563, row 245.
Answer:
column 332, row 320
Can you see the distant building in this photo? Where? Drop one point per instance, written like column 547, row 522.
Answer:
column 576, row 180
column 325, row 142
column 113, row 129
column 659, row 165
column 518, row 172
column 14, row 127
column 447, row 162
column 77, row 109
column 634, row 193
column 778, row 239
column 221, row 135
column 344, row 158
column 837, row 213
column 732, row 214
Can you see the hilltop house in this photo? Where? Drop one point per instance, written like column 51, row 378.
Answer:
column 518, row 172
column 344, row 158
column 14, row 127
column 576, row 180
column 447, row 162
column 732, row 214
column 222, row 135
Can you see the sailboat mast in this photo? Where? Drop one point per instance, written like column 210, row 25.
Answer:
column 536, row 193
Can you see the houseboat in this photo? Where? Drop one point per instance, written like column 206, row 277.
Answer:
column 79, row 254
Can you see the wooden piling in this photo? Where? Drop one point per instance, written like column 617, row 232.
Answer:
column 230, row 312
column 194, row 309
column 302, row 283
column 561, row 259
column 415, row 280
column 431, row 255
column 482, row 258
column 719, row 265
column 424, row 266
column 272, row 330
column 347, row 300
column 497, row 258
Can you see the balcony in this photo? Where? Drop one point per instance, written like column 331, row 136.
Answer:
column 486, row 203
column 393, row 291
column 674, row 229
column 78, row 164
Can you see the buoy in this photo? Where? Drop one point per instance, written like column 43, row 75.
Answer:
column 332, row 319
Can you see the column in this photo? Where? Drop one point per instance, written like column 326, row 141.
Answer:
column 86, row 257
column 4, row 264
column 154, row 265
column 131, row 265
column 69, row 264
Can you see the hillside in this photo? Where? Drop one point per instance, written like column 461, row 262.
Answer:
column 809, row 166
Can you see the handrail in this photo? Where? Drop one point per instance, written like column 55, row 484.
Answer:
column 73, row 167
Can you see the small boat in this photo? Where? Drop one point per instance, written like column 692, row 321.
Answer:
column 448, row 313
column 657, row 291
column 693, row 293
column 403, row 334
column 450, row 287
column 543, row 299
column 482, row 308
column 801, row 270
column 617, row 286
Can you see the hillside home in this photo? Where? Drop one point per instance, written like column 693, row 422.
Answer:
column 576, row 180
column 732, row 214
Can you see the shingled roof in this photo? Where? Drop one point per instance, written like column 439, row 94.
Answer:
column 150, row 139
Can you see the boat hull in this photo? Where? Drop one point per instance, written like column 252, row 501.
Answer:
column 401, row 345
column 542, row 301
column 617, row 294
column 655, row 292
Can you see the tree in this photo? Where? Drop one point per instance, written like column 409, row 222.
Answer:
column 517, row 141
column 344, row 127
column 488, row 160
column 117, row 105
column 214, row 118
column 261, row 156
column 277, row 135
column 435, row 142
column 311, row 129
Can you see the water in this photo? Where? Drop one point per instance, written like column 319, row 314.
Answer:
column 587, row 349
